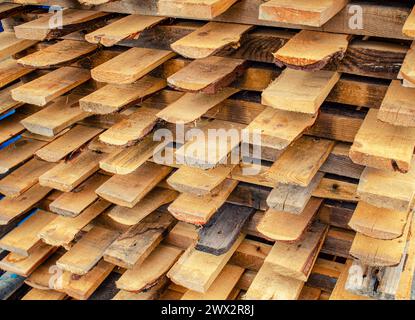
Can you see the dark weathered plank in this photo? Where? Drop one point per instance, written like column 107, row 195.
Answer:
column 223, row 229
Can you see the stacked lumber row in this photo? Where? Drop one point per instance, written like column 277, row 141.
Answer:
column 89, row 211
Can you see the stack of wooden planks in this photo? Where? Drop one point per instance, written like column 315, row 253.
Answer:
column 214, row 149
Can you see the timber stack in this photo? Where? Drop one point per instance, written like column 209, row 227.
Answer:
column 113, row 187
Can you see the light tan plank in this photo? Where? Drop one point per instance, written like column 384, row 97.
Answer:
column 12, row 208
column 18, row 152
column 113, row 97
column 47, row 27
column 68, row 174
column 205, row 151
column 269, row 285
column 23, row 239
column 300, row 162
column 208, row 75
column 285, row 227
column 145, row 275
column 10, row 45
column 221, row 288
column 63, row 230
column 192, row 106
column 56, row 116
column 383, row 146
column 193, row 9
column 210, row 39
column 50, row 86
column 378, row 252
column 24, row 177
column 197, row 181
column 83, row 287
column 312, row 50
column 313, row 13
column 129, row 131
column 197, row 270
column 49, row 295
column 283, row 92
column 126, row 28
column 67, row 143
column 199, row 209
column 87, row 252
column 296, row 260
column 24, row 266
column 130, row 65
column 128, row 190
column 131, row 158
column 10, row 70
column 387, row 189
column 72, row 203
column 278, row 128
column 151, row 202
column 398, row 107
column 62, row 52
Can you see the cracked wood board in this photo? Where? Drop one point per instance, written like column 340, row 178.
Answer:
column 133, row 246
column 128, row 131
column 379, row 223
column 130, row 158
column 398, row 106
column 292, row 199
column 379, row 252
